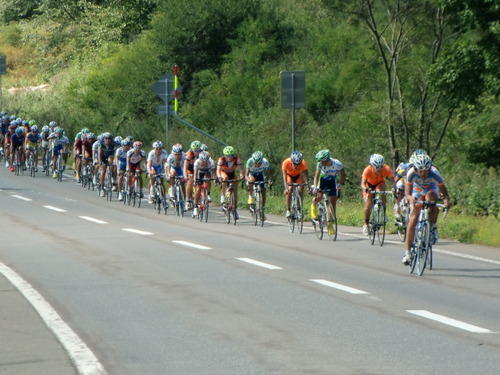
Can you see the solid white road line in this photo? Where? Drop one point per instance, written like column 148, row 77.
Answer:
column 260, row 264
column 449, row 321
column 55, row 208
column 466, row 256
column 97, row 221
column 344, row 288
column 21, row 197
column 137, row 231
column 190, row 244
column 82, row 357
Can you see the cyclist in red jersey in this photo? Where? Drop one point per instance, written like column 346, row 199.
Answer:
column 227, row 165
column 294, row 170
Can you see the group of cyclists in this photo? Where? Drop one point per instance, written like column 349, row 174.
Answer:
column 415, row 180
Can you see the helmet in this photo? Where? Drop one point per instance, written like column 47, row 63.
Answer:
column 137, row 144
column 91, row 136
column 125, row 142
column 130, row 138
column 204, row 147
column 85, row 131
column 31, row 122
column 118, row 139
column 204, row 156
column 296, row 157
column 45, row 129
column 157, row 144
column 34, row 128
column 195, row 145
column 257, row 157
column 376, row 161
column 323, row 155
column 177, row 148
column 19, row 130
column 107, row 135
column 422, row 162
column 228, row 150
column 52, row 124
column 415, row 154
column 59, row 130
column 24, row 122
column 78, row 135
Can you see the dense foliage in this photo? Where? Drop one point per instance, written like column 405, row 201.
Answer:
column 385, row 77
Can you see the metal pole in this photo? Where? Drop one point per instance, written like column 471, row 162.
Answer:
column 293, row 112
column 166, row 116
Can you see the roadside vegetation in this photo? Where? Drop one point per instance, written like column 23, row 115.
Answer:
column 381, row 77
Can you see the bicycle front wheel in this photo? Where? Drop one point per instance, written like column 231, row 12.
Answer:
column 293, row 216
column 331, row 221
column 422, row 249
column 318, row 224
column 381, row 225
column 300, row 214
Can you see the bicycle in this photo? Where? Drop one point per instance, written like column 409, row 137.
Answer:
column 421, row 250
column 376, row 226
column 46, row 161
column 177, row 199
column 134, row 193
column 87, row 176
column 402, row 223
column 203, row 202
column 159, row 200
column 18, row 167
column 229, row 206
column 257, row 208
column 296, row 212
column 108, row 185
column 31, row 164
column 326, row 218
column 59, row 166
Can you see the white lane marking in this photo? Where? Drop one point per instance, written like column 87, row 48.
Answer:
column 97, row 221
column 466, row 256
column 55, row 208
column 344, row 288
column 190, row 244
column 137, row 231
column 449, row 321
column 82, row 357
column 260, row 264
column 21, row 197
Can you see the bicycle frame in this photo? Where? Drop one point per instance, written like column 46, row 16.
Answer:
column 229, row 206
column 297, row 214
column 257, row 208
column 326, row 217
column 378, row 218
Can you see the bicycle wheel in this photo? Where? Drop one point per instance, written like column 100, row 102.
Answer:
column 319, row 223
column 180, row 201
column 259, row 204
column 422, row 248
column 429, row 257
column 300, row 214
column 206, row 205
column 331, row 221
column 109, row 186
column 381, row 225
column 292, row 218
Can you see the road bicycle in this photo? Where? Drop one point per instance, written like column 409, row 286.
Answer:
column 421, row 249
column 402, row 223
column 203, row 201
column 177, row 198
column 2, row 153
column 229, row 205
column 159, row 201
column 59, row 169
column 296, row 218
column 46, row 161
column 87, row 177
column 327, row 220
column 378, row 220
column 257, row 207
column 18, row 164
column 134, row 189
column 31, row 163
column 107, row 188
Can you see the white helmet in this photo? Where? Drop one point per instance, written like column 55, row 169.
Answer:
column 376, row 161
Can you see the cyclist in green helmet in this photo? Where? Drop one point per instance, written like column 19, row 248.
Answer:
column 227, row 165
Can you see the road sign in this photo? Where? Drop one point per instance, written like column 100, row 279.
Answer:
column 3, row 64
column 164, row 88
column 162, row 109
column 293, row 92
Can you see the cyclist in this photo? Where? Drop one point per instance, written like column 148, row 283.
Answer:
column 227, row 165
column 59, row 143
column 294, row 170
column 17, row 145
column 44, row 137
column 254, row 172
column 327, row 170
column 135, row 159
column 423, row 182
column 106, row 153
column 157, row 158
column 80, row 137
column 191, row 156
column 175, row 166
column 121, row 164
column 204, row 167
column 95, row 157
column 373, row 178
column 31, row 144
column 6, row 143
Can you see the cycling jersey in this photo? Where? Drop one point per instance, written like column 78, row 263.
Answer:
column 420, row 186
column 135, row 158
column 173, row 162
column 191, row 156
column 204, row 166
column 32, row 140
column 255, row 169
column 330, row 171
column 293, row 172
column 228, row 166
column 16, row 141
column 157, row 161
column 122, row 158
column 373, row 179
column 107, row 151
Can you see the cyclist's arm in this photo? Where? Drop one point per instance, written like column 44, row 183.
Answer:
column 408, row 193
column 444, row 193
column 316, row 178
column 186, row 167
column 342, row 177
column 219, row 170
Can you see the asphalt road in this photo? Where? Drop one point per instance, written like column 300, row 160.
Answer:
column 140, row 293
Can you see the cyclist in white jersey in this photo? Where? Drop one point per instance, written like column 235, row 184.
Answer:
column 121, row 164
column 59, row 143
column 254, row 172
column 327, row 170
column 135, row 159
column 175, row 166
column 204, row 167
column 157, row 158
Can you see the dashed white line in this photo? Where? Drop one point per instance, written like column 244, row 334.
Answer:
column 55, row 208
column 344, row 288
column 82, row 357
column 21, row 197
column 137, row 231
column 88, row 218
column 449, row 321
column 260, row 264
column 190, row 244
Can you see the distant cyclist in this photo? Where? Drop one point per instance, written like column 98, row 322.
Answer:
column 204, row 167
column 106, row 155
column 121, row 164
column 136, row 158
column 31, row 144
column 191, row 156
column 175, row 166
column 255, row 168
column 17, row 145
column 157, row 158
column 227, row 166
column 59, row 144
column 294, row 170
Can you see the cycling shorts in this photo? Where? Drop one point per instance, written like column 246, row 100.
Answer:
column 201, row 175
column 294, row 179
column 32, row 146
column 56, row 150
column 178, row 171
column 328, row 184
column 228, row 175
column 259, row 176
column 158, row 169
column 135, row 167
column 419, row 192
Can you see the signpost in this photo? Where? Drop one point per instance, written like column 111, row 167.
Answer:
column 293, row 94
column 3, row 70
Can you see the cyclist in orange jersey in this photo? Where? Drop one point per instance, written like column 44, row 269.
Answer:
column 294, row 170
column 373, row 178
